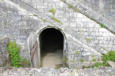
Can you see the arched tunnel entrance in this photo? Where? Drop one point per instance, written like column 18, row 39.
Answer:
column 51, row 47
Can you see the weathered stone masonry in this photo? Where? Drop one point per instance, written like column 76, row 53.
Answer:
column 22, row 20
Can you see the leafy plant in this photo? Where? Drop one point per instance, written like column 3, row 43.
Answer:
column 110, row 56
column 15, row 58
column 52, row 11
column 102, row 25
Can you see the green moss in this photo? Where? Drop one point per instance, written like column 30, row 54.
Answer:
column 102, row 25
column 52, row 10
column 55, row 19
column 89, row 39
column 94, row 59
column 76, row 52
column 64, row 1
column 35, row 15
column 81, row 60
column 64, row 59
column 44, row 20
column 75, row 9
column 70, row 6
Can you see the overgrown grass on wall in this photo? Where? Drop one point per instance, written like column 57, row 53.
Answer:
column 15, row 58
column 110, row 56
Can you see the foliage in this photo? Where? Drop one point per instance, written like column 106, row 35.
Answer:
column 25, row 63
column 93, row 59
column 98, row 64
column 102, row 25
column 52, row 10
column 110, row 56
column 15, row 58
column 76, row 52
column 55, row 19
column 70, row 6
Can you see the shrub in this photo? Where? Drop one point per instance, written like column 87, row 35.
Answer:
column 15, row 58
column 110, row 56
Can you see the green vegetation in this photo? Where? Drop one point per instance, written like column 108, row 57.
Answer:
column 102, row 25
column 15, row 58
column 64, row 59
column 76, row 52
column 64, row 1
column 52, row 10
column 70, row 6
column 81, row 60
column 55, row 19
column 110, row 56
column 75, row 9
column 44, row 20
column 93, row 59
column 98, row 64
column 89, row 39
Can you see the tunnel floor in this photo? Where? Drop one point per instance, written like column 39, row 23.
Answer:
column 52, row 60
column 51, row 47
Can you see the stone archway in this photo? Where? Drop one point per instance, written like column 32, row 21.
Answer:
column 51, row 43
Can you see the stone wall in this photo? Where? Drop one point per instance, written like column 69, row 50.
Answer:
column 56, row 72
column 85, row 39
column 102, row 11
column 4, row 55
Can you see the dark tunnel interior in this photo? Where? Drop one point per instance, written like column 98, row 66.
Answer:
column 51, row 41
